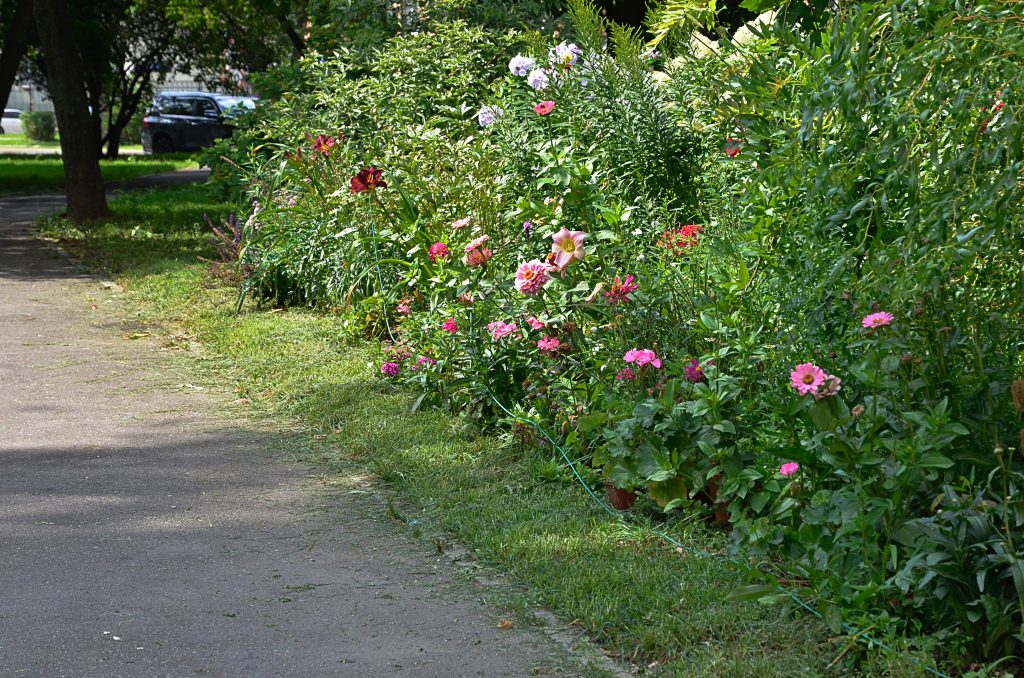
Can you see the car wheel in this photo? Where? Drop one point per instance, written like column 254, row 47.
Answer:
column 163, row 145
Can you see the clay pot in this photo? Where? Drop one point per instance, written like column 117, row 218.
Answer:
column 619, row 499
column 710, row 496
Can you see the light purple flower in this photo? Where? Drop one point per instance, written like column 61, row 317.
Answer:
column 488, row 114
column 565, row 55
column 520, row 65
column 537, row 79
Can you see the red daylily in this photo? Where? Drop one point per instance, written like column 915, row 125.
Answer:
column 369, row 178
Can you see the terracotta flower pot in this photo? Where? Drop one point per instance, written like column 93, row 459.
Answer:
column 710, row 497
column 619, row 499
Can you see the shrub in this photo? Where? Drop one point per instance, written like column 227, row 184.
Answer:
column 39, row 126
column 786, row 275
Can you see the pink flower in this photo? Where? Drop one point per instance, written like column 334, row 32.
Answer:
column 478, row 257
column 403, row 307
column 477, row 243
column 620, row 291
column 625, row 374
column 544, row 108
column 531, row 276
column 534, row 323
column 549, row 344
column 462, row 223
column 390, row 369
column 421, row 361
column 678, row 241
column 321, row 144
column 880, row 319
column 642, row 356
column 807, row 378
column 831, row 387
column 449, row 326
column 500, row 329
column 439, row 251
column 695, row 372
column 466, row 298
column 567, row 245
column 789, row 469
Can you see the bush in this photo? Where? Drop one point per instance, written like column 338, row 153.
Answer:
column 39, row 126
column 785, row 276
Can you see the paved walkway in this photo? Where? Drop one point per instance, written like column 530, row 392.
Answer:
column 142, row 534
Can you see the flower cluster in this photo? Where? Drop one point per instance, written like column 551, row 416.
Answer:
column 500, row 329
column 679, row 241
column 641, row 357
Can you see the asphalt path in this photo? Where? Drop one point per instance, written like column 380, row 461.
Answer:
column 145, row 532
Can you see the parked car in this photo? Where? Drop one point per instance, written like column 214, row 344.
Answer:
column 188, row 121
column 11, row 122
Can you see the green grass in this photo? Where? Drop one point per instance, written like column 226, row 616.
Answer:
column 31, row 174
column 20, row 140
column 519, row 510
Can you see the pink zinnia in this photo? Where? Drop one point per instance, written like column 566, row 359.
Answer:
column 642, row 356
column 625, row 374
column 566, row 246
column 439, row 251
column 403, row 307
column 500, row 329
column 807, row 378
column 880, row 319
column 449, row 326
column 789, row 469
column 534, row 323
column 462, row 223
column 390, row 369
column 549, row 344
column 477, row 243
column 478, row 257
column 544, row 108
column 467, row 298
column 531, row 276
column 620, row 291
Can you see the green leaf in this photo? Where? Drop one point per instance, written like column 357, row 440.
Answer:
column 752, row 592
column 934, row 460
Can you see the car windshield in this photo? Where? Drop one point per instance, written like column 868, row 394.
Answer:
column 228, row 103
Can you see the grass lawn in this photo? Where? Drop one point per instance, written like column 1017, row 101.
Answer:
column 516, row 506
column 21, row 140
column 37, row 173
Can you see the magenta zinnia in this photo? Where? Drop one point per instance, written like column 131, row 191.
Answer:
column 531, row 276
column 439, row 251
column 789, row 469
column 880, row 319
column 390, row 369
column 449, row 326
column 807, row 378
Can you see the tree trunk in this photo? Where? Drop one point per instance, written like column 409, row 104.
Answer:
column 15, row 44
column 82, row 179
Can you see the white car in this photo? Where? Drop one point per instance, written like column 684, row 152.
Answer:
column 11, row 122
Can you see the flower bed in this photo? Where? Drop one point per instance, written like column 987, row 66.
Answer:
column 792, row 295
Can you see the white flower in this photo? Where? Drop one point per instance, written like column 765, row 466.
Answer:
column 537, row 79
column 565, row 54
column 520, row 65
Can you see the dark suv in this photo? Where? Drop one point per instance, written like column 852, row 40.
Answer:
column 188, row 121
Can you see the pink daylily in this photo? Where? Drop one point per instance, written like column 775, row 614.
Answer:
column 566, row 246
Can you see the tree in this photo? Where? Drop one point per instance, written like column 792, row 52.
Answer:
column 82, row 179
column 17, row 28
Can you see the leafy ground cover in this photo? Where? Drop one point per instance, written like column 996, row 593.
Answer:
column 506, row 496
column 27, row 174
